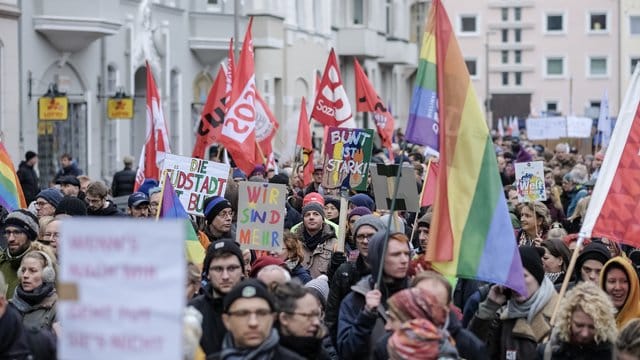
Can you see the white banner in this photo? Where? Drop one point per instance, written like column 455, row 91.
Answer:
column 579, row 127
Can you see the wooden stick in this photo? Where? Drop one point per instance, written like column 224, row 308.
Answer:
column 342, row 223
column 164, row 185
column 424, row 186
column 567, row 277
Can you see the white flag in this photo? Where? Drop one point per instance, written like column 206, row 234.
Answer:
column 604, row 122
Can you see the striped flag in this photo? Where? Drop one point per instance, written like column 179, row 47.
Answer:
column 11, row 196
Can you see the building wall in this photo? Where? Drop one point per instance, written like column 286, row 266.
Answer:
column 9, row 79
column 629, row 41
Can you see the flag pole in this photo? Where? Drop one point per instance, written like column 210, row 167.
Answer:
column 424, row 186
column 164, row 185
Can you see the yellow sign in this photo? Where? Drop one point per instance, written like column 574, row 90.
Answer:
column 120, row 108
column 53, row 108
column 45, row 128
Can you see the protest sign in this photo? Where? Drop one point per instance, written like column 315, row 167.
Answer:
column 547, row 128
column 530, row 181
column 536, row 129
column 347, row 154
column 261, row 215
column 383, row 178
column 579, row 127
column 121, row 289
column 195, row 180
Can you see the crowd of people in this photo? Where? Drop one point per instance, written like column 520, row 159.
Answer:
column 376, row 298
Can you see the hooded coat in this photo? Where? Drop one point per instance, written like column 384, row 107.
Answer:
column 29, row 181
column 631, row 308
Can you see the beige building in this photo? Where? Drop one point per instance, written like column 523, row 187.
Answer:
column 629, row 26
column 10, row 84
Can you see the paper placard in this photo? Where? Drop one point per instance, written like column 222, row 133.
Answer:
column 123, row 289
column 579, row 127
column 261, row 215
column 537, row 129
column 383, row 178
column 195, row 180
column 346, row 158
column 548, row 128
column 530, row 181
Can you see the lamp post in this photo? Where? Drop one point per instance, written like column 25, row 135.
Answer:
column 487, row 96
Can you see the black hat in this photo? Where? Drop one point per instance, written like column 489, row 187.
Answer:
column 29, row 155
column 248, row 289
column 213, row 206
column 279, row 179
column 532, row 261
column 333, row 201
column 593, row 251
column 72, row 206
column 69, row 179
column 219, row 247
column 25, row 221
column 137, row 199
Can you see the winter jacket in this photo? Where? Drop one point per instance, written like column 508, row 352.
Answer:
column 38, row 316
column 310, row 348
column 300, row 273
column 280, row 353
column 213, row 330
column 468, row 345
column 69, row 170
column 631, row 308
column 318, row 260
column 29, row 181
column 292, row 218
column 110, row 210
column 574, row 196
column 123, row 182
column 13, row 338
column 557, row 349
column 9, row 267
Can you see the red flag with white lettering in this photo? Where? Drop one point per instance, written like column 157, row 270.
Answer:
column 157, row 135
column 238, row 131
column 212, row 116
column 331, row 106
column 303, row 140
column 368, row 100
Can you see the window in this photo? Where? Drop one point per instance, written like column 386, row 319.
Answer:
column 505, row 78
column 555, row 66
column 517, row 13
column 598, row 22
column 551, row 106
column 518, row 78
column 418, row 15
column 505, row 56
column 518, row 35
column 594, row 104
column 634, row 24
column 517, row 56
column 358, row 12
column 505, row 35
column 213, row 5
column 472, row 66
column 555, row 23
column 598, row 66
column 505, row 14
column 634, row 62
column 468, row 24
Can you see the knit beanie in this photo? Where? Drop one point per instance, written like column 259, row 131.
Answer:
column 51, row 195
column 370, row 220
column 321, row 286
column 217, row 248
column 363, row 200
column 25, row 221
column 359, row 210
column 264, row 261
column 147, row 185
column 313, row 197
column 333, row 201
column 248, row 289
column 279, row 179
column 593, row 251
column 314, row 206
column 213, row 206
column 71, row 205
column 532, row 261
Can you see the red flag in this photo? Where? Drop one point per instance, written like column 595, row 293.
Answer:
column 304, row 141
column 368, row 100
column 238, row 132
column 157, row 139
column 430, row 182
column 331, row 106
column 212, row 116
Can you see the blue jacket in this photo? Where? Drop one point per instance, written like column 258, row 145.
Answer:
column 578, row 193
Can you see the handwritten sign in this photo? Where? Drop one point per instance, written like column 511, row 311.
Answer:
column 121, row 289
column 346, row 158
column 195, row 180
column 530, row 181
column 579, row 127
column 261, row 216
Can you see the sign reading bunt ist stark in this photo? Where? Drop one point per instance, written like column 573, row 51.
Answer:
column 347, row 154
column 195, row 180
column 121, row 289
column 261, row 215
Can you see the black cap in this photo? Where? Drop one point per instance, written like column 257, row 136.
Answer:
column 248, row 289
column 532, row 261
column 69, row 179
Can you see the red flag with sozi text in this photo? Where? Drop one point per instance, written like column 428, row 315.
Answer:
column 238, row 131
column 303, row 140
column 369, row 101
column 331, row 106
column 212, row 116
column 157, row 135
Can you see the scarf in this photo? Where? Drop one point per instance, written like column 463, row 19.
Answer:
column 25, row 300
column 263, row 352
column 554, row 276
column 312, row 241
column 307, row 346
column 533, row 305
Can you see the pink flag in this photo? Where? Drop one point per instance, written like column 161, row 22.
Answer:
column 430, row 182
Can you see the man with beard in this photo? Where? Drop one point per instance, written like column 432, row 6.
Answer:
column 20, row 230
column 98, row 204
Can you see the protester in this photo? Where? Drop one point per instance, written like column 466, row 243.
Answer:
column 13, row 338
column 20, row 229
column 585, row 327
column 155, row 196
column 591, row 261
column 71, row 206
column 138, row 205
column 318, row 239
column 28, row 177
column 99, row 204
column 125, row 179
column 574, row 190
column 273, row 274
column 628, row 342
column 619, row 280
column 313, row 197
column 555, row 260
column 84, row 183
column 293, row 255
column 420, row 262
column 68, row 167
column 52, row 235
column 534, row 221
column 332, row 208
column 218, row 213
column 249, row 315
column 314, row 186
column 362, row 200
column 47, row 201
column 320, row 288
column 349, row 238
column 42, row 225
column 193, row 282
column 35, row 297
column 69, row 185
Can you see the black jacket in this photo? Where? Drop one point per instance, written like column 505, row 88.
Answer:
column 310, row 348
column 72, row 169
column 111, row 210
column 29, row 181
column 213, row 330
column 468, row 345
column 13, row 338
column 280, row 353
column 123, row 182
column 560, row 350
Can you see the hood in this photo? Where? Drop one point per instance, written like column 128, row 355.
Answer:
column 631, row 308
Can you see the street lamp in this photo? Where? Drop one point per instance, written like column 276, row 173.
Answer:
column 487, row 96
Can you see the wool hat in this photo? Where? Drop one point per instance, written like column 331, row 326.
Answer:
column 25, row 221
column 593, row 251
column 314, row 206
column 363, row 200
column 148, row 184
column 248, row 289
column 71, row 205
column 218, row 247
column 258, row 170
column 321, row 286
column 425, row 219
column 370, row 220
column 137, row 199
column 358, row 210
column 29, row 155
column 333, row 201
column 239, row 174
column 279, row 179
column 51, row 195
column 69, row 179
column 263, row 262
column 214, row 205
column 532, row 261
column 313, row 197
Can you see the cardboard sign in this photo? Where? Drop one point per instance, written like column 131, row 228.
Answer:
column 530, row 181
column 121, row 289
column 383, row 178
column 579, row 127
column 195, row 180
column 261, row 215
column 53, row 108
column 120, row 108
column 346, row 158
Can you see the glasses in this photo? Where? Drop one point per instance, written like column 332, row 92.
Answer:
column 8, row 233
column 224, row 214
column 364, row 236
column 153, row 204
column 41, row 203
column 51, row 235
column 260, row 314
column 229, row 269
column 310, row 316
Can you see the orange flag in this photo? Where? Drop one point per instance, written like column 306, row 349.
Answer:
column 304, row 141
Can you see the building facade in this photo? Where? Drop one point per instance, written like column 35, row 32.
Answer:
column 9, row 77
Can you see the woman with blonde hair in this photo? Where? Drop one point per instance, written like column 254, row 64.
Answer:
column 534, row 223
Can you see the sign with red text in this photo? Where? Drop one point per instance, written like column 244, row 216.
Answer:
column 195, row 180
column 530, row 181
column 121, row 289
column 347, row 154
column 261, row 212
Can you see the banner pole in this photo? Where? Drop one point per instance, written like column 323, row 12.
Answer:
column 567, row 277
column 424, row 186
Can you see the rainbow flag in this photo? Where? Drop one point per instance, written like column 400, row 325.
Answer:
column 471, row 235
column 171, row 208
column 11, row 196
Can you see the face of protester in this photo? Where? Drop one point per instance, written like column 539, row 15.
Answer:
column 31, row 273
column 396, row 260
column 590, row 271
column 66, row 162
column 365, row 233
column 249, row 321
column 140, row 211
column 224, row 273
column 44, row 208
column 154, row 202
column 70, row 190
column 331, row 212
column 222, row 222
column 617, row 286
column 84, row 184
column 352, row 221
column 549, row 180
column 305, row 320
column 527, row 221
column 52, row 234
column 393, row 323
column 513, row 197
column 312, row 221
column 509, row 170
column 583, row 330
column 317, row 176
column 567, row 185
column 423, row 236
column 532, row 286
column 550, row 263
column 17, row 240
column 246, row 256
column 501, row 163
column 95, row 203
